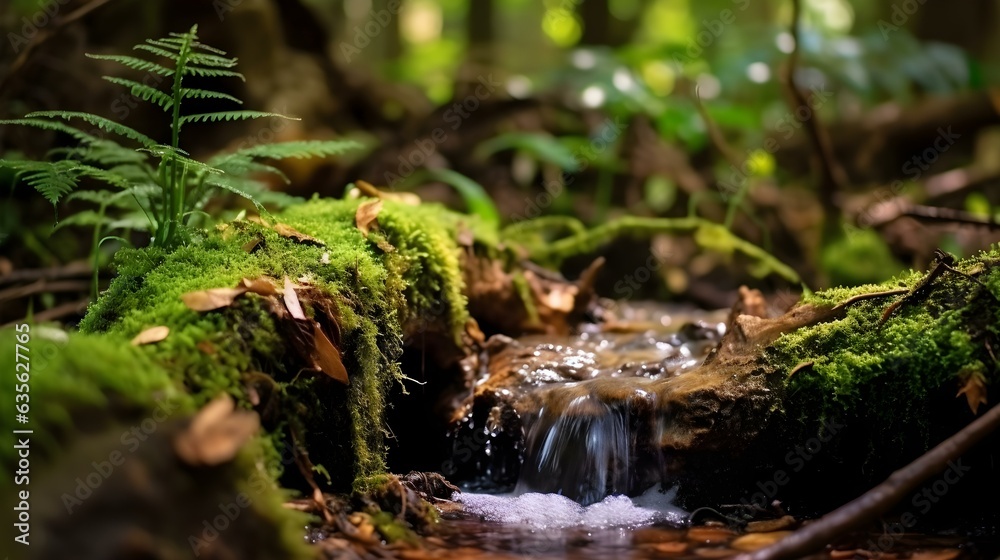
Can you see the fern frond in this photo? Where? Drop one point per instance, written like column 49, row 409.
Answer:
column 232, row 116
column 165, row 44
column 188, row 93
column 102, row 123
column 135, row 63
column 212, row 61
column 157, row 51
column 212, row 73
column 102, row 175
column 57, row 126
column 144, row 92
column 208, row 48
column 52, row 180
column 246, row 166
column 300, row 149
column 235, row 186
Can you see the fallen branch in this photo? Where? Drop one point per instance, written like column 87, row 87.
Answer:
column 882, row 498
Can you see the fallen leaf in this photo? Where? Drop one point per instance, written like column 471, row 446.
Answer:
column 206, row 347
column 709, row 535
column 262, row 286
column 288, row 231
column 366, row 215
column 207, row 300
column 151, row 335
column 327, row 357
column 756, row 541
column 973, row 386
column 367, row 189
column 714, row 552
column 292, row 300
column 936, row 554
column 769, row 525
column 475, row 333
column 251, row 246
column 216, row 433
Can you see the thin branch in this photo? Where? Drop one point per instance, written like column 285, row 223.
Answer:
column 832, row 176
column 877, row 501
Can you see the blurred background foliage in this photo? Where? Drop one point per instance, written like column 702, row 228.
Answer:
column 646, row 107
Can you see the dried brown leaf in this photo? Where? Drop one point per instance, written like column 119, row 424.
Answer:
column 261, row 286
column 288, row 231
column 973, row 386
column 292, row 300
column 251, row 246
column 366, row 215
column 216, row 298
column 327, row 357
column 216, row 433
column 151, row 335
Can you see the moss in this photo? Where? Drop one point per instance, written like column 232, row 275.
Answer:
column 80, row 382
column 890, row 376
column 406, row 271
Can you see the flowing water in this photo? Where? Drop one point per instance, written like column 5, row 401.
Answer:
column 549, row 469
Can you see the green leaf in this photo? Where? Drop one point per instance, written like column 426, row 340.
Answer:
column 301, row 149
column 232, row 116
column 157, row 51
column 102, row 123
column 81, row 218
column 57, row 126
column 542, row 146
column 188, row 93
column 212, row 61
column 212, row 73
column 144, row 92
column 479, row 203
column 235, row 186
column 52, row 180
column 134, row 63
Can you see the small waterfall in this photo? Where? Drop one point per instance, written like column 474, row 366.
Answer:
column 584, row 448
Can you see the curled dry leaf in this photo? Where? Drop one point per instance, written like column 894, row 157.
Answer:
column 216, row 433
column 261, row 286
column 151, row 335
column 216, row 298
column 973, row 386
column 367, row 189
column 292, row 300
column 366, row 215
column 327, row 357
column 288, row 231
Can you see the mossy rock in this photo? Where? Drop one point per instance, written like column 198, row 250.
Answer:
column 104, row 478
column 402, row 277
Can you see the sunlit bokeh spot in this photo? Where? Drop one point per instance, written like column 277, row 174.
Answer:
column 421, row 21
column 659, row 76
column 593, row 97
column 759, row 72
column 709, row 86
column 623, row 80
column 785, row 42
column 561, row 26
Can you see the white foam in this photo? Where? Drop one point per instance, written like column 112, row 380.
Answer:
column 552, row 511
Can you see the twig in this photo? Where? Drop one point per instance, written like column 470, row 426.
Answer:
column 77, row 269
column 44, row 36
column 43, row 286
column 58, row 312
column 874, row 503
column 832, row 177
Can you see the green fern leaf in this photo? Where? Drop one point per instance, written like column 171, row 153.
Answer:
column 57, row 126
column 157, row 51
column 103, row 175
column 52, row 180
column 246, row 166
column 232, row 116
column 212, row 61
column 165, row 44
column 235, row 186
column 212, row 73
column 144, row 92
column 135, row 63
column 104, row 124
column 302, row 149
column 208, row 48
column 208, row 94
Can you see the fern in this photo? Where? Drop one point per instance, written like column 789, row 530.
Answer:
column 159, row 182
column 232, row 116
